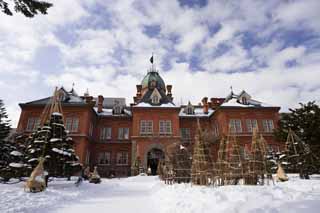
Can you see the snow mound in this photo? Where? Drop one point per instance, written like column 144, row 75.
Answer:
column 145, row 194
column 16, row 153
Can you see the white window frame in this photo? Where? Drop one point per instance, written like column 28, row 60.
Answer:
column 146, row 127
column 91, row 130
column 123, row 133
column 155, row 99
column 165, row 127
column 32, row 124
column 235, row 126
column 216, row 130
column 72, row 124
column 251, row 124
column 122, row 158
column 105, row 133
column 185, row 134
column 104, row 158
column 268, row 125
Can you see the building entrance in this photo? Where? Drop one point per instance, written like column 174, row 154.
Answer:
column 154, row 156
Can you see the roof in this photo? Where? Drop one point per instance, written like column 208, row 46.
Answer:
column 109, row 112
column 163, row 100
column 110, row 102
column 198, row 112
column 153, row 76
column 67, row 97
column 164, row 105
column 234, row 100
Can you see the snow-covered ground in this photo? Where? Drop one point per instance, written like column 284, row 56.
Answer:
column 147, row 194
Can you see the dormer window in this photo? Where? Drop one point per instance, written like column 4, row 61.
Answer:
column 117, row 108
column 155, row 96
column 244, row 100
column 155, row 99
column 189, row 110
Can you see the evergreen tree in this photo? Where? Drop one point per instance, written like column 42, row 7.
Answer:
column 5, row 147
column 305, row 122
column 52, row 142
column 4, row 122
column 28, row 8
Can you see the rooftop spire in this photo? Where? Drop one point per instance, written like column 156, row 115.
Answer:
column 153, row 66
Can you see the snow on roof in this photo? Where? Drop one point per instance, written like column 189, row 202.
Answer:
column 251, row 103
column 233, row 100
column 198, row 112
column 108, row 112
column 167, row 105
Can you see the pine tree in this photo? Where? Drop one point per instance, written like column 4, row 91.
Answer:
column 51, row 141
column 305, row 122
column 28, row 8
column 298, row 157
column 4, row 123
column 5, row 147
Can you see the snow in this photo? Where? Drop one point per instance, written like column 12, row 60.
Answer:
column 61, row 151
column 251, row 103
column 198, row 112
column 108, row 112
column 56, row 114
column 147, row 194
column 143, row 104
column 53, row 140
column 17, row 165
column 16, row 153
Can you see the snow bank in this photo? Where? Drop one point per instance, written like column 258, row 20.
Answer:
column 147, row 194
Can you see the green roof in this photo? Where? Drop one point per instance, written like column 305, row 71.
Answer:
column 153, row 76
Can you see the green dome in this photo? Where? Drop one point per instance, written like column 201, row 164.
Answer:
column 153, row 77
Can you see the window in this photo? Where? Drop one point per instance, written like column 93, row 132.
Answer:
column 155, row 99
column 251, row 124
column 90, row 129
column 104, row 158
column 267, row 125
column 123, row 133
column 185, row 134
column 146, row 127
column 235, row 126
column 244, row 100
column 117, row 110
column 216, row 130
column 165, row 127
column 87, row 158
column 33, row 124
column 72, row 124
column 122, row 158
column 105, row 133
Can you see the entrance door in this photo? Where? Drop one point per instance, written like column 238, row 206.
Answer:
column 154, row 156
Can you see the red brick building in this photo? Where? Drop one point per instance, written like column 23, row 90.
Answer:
column 112, row 135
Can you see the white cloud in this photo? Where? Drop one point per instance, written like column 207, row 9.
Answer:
column 108, row 49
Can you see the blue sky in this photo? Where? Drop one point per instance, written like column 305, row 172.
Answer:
column 269, row 48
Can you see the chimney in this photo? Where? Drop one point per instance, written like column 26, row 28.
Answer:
column 139, row 89
column 135, row 99
column 169, row 94
column 100, row 103
column 215, row 102
column 205, row 105
column 169, row 88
